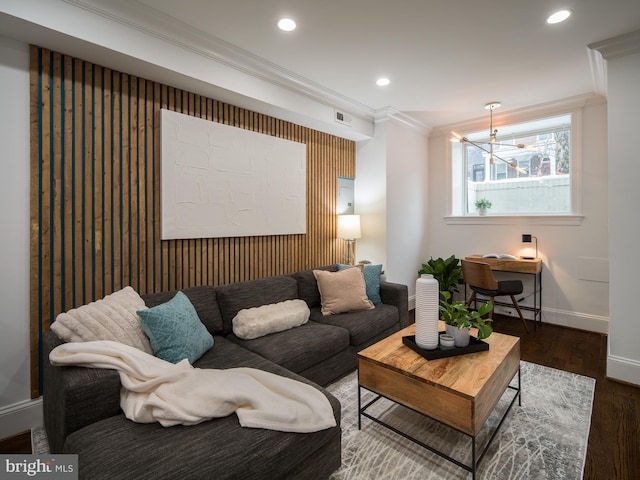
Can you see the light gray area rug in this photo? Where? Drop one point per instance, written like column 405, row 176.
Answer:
column 39, row 445
column 545, row 438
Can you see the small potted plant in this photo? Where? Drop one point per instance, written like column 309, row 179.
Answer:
column 459, row 320
column 482, row 204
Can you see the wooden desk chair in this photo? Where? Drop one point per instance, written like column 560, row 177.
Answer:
column 479, row 277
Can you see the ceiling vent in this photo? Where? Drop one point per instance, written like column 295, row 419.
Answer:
column 342, row 118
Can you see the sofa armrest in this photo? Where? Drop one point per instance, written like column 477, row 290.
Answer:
column 74, row 397
column 398, row 295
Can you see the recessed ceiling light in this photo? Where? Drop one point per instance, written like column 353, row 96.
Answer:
column 383, row 82
column 287, row 24
column 559, row 16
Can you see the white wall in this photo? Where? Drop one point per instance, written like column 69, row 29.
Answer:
column 624, row 197
column 17, row 411
column 371, row 197
column 407, row 204
column 391, row 197
column 575, row 288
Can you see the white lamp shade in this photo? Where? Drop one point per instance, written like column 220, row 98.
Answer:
column 349, row 227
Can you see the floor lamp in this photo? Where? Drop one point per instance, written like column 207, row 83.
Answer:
column 349, row 230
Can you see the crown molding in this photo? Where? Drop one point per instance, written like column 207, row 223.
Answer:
column 609, row 49
column 598, row 66
column 620, row 46
column 395, row 115
column 149, row 21
column 556, row 107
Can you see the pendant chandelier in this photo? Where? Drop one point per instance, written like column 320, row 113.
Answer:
column 487, row 147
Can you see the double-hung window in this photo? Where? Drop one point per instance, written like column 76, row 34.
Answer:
column 524, row 169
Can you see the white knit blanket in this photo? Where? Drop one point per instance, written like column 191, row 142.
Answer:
column 154, row 390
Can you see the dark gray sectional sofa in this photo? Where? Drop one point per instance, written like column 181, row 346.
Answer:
column 83, row 416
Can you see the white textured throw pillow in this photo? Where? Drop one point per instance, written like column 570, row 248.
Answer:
column 111, row 318
column 256, row 322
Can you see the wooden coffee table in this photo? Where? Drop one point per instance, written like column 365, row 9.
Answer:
column 459, row 391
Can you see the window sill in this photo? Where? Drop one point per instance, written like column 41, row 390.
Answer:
column 569, row 220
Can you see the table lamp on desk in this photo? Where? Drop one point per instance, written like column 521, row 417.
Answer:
column 526, row 238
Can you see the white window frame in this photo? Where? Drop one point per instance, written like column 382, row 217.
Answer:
column 457, row 174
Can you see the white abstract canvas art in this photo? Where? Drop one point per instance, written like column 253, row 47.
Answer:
column 223, row 181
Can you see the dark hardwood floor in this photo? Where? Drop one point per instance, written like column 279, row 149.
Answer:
column 614, row 439
column 20, row 443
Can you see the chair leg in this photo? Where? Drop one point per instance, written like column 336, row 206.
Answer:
column 471, row 299
column 515, row 304
column 493, row 307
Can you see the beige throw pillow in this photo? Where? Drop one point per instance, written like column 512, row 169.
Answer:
column 342, row 291
column 113, row 318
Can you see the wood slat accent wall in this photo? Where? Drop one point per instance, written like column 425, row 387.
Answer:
column 95, row 203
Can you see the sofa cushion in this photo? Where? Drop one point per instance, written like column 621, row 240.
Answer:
column 119, row 449
column 203, row 299
column 299, row 348
column 253, row 293
column 175, row 331
column 371, row 274
column 362, row 326
column 308, row 285
column 228, row 354
column 113, row 318
column 257, row 322
column 342, row 291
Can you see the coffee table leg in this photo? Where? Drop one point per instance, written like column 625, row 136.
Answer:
column 519, row 389
column 359, row 407
column 473, row 457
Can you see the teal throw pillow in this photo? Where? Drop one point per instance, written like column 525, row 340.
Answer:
column 371, row 274
column 175, row 330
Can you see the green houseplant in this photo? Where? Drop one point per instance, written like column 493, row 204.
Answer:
column 483, row 204
column 448, row 272
column 457, row 315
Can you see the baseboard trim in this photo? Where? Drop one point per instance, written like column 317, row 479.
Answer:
column 623, row 369
column 20, row 417
column 581, row 321
column 563, row 318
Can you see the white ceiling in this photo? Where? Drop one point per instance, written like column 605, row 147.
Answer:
column 445, row 58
